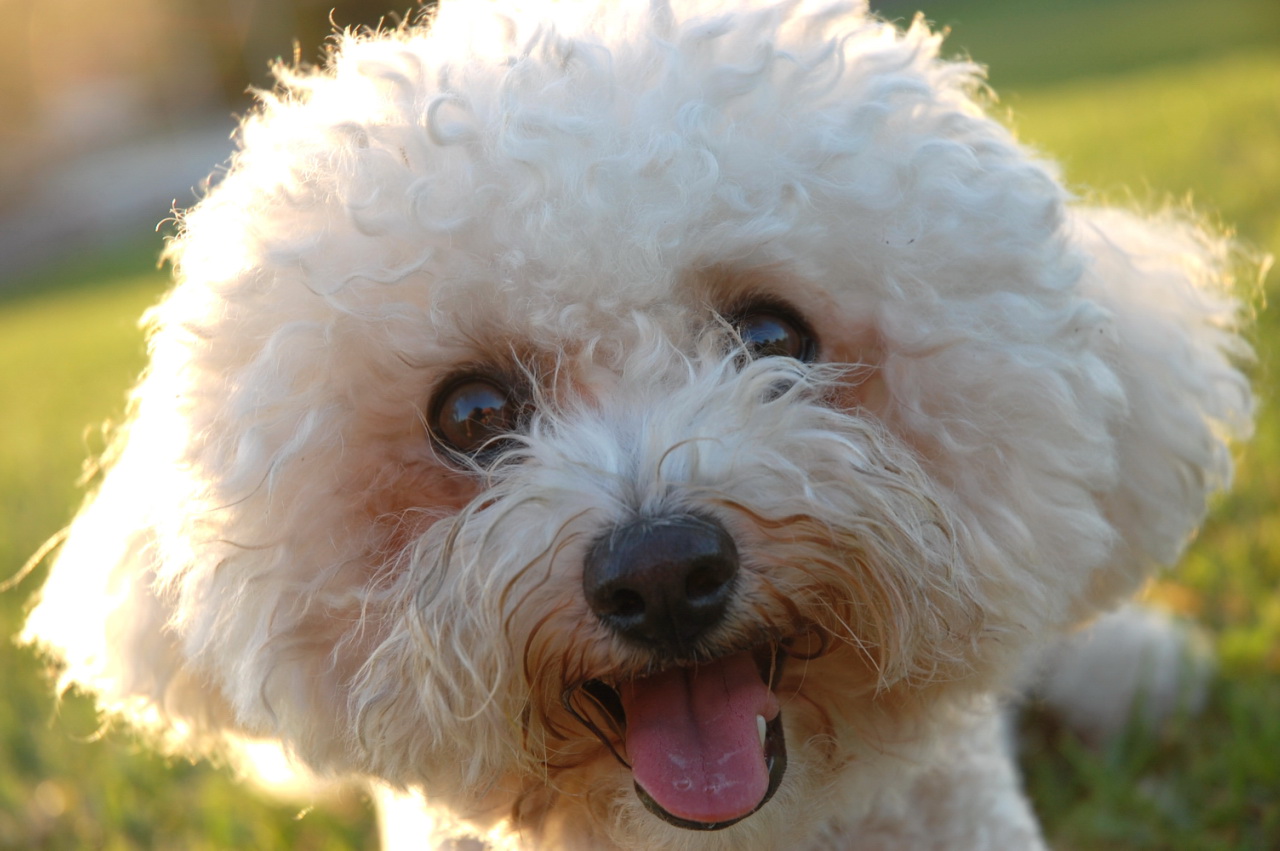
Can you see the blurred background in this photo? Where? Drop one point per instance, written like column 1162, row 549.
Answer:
column 112, row 113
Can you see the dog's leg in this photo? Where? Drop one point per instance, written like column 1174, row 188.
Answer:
column 971, row 798
column 1134, row 665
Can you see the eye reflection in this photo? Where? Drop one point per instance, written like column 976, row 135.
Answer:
column 771, row 333
column 473, row 412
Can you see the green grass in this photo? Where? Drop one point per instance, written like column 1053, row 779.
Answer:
column 1039, row 43
column 1142, row 99
column 1199, row 129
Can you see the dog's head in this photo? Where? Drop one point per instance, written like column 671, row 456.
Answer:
column 655, row 397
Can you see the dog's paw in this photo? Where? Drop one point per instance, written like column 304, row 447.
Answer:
column 1136, row 665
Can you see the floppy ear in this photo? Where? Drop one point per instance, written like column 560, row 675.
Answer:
column 1176, row 349
column 105, row 618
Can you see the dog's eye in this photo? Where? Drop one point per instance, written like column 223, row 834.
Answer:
column 473, row 414
column 772, row 333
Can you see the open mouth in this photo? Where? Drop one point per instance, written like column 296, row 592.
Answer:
column 704, row 742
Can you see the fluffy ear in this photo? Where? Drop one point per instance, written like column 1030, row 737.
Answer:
column 104, row 617
column 1170, row 288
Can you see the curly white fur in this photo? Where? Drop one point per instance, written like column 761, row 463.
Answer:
column 1020, row 408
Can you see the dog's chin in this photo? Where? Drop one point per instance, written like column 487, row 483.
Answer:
column 703, row 740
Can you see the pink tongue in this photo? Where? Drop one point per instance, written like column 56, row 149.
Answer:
column 693, row 740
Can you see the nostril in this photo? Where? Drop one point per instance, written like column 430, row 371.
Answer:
column 664, row 582
column 708, row 578
column 625, row 603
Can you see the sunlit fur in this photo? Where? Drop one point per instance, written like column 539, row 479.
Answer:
column 1020, row 407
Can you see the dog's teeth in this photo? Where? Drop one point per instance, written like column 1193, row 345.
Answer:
column 761, row 728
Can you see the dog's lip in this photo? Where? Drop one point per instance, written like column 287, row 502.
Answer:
column 769, row 658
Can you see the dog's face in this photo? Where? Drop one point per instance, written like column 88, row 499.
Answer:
column 657, row 413
column 668, row 533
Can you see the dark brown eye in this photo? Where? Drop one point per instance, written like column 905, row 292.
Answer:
column 772, row 333
column 473, row 414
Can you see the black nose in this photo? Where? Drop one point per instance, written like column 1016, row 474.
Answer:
column 664, row 582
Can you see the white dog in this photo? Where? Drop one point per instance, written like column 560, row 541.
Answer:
column 646, row 425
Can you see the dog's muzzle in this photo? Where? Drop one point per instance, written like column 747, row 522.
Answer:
column 703, row 733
